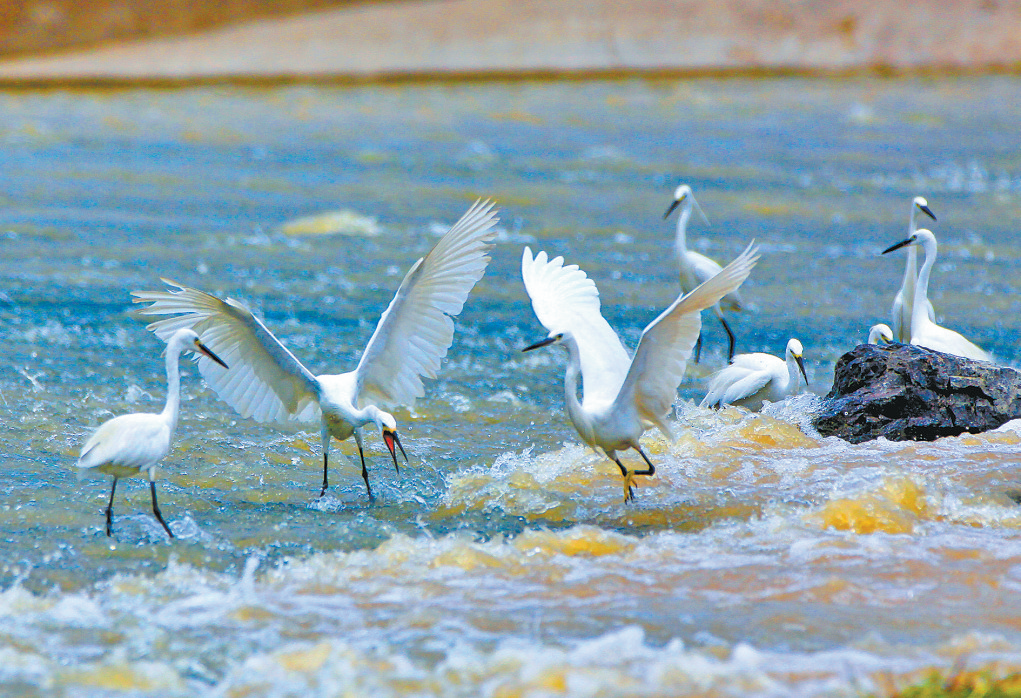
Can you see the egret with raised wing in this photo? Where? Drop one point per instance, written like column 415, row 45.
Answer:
column 622, row 397
column 880, row 334
column 925, row 332
column 697, row 268
column 752, row 379
column 267, row 383
column 133, row 444
column 904, row 301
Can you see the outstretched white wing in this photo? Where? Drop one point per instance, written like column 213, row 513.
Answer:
column 265, row 381
column 566, row 300
column 417, row 328
column 666, row 344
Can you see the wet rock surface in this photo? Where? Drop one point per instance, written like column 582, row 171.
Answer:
column 905, row 392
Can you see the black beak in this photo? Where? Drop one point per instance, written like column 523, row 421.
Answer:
column 390, row 439
column 927, row 211
column 544, row 343
column 801, row 365
column 671, row 208
column 902, row 243
column 209, row 352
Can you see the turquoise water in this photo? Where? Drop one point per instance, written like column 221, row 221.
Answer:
column 762, row 559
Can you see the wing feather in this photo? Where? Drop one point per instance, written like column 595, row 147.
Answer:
column 565, row 299
column 417, row 328
column 265, row 381
column 666, row 344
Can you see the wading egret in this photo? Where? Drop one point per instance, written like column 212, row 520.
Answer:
column 267, row 383
column 622, row 397
column 925, row 332
column 903, row 302
column 751, row 379
column 697, row 268
column 133, row 444
column 880, row 334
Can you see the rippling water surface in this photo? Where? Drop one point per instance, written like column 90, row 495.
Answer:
column 761, row 560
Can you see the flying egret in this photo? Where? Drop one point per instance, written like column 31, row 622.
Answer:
column 131, row 444
column 751, row 379
column 903, row 302
column 622, row 397
column 267, row 383
column 925, row 332
column 697, row 268
column 880, row 334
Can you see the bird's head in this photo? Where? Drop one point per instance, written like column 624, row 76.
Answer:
column 388, row 429
column 880, row 334
column 554, row 338
column 922, row 237
column 681, row 195
column 186, row 339
column 795, row 351
column 920, row 204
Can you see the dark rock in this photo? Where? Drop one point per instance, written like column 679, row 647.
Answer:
column 905, row 392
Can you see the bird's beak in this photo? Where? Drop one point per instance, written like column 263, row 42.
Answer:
column 670, row 210
column 544, row 343
column 390, row 439
column 902, row 243
column 927, row 211
column 801, row 365
column 209, row 352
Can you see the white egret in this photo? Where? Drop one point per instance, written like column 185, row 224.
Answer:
column 697, row 268
column 751, row 379
column 133, row 444
column 622, row 397
column 903, row 302
column 267, row 383
column 880, row 334
column 925, row 332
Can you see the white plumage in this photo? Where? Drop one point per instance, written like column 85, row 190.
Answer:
column 752, row 379
column 925, row 332
column 267, row 383
column 133, row 444
column 696, row 268
column 622, row 397
column 903, row 302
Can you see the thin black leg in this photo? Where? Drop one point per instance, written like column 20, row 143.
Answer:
column 326, row 470
column 109, row 509
column 698, row 347
column 365, row 475
column 156, row 509
column 651, row 470
column 730, row 339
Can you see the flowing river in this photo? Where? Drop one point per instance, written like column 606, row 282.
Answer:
column 762, row 560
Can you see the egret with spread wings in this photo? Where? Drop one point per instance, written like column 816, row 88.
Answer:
column 622, row 396
column 267, row 383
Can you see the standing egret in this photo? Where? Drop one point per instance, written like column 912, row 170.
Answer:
column 267, row 383
column 697, row 268
column 903, row 302
column 925, row 332
column 131, row 444
column 622, row 397
column 880, row 334
column 751, row 379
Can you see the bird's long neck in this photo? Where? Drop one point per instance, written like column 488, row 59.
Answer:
column 911, row 266
column 173, row 387
column 574, row 408
column 918, row 311
column 680, row 241
column 793, row 374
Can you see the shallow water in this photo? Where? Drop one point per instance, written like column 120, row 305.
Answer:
column 761, row 560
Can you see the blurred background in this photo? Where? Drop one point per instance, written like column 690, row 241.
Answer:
column 187, row 39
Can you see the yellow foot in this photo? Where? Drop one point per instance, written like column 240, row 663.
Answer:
column 629, row 492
